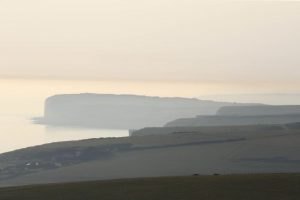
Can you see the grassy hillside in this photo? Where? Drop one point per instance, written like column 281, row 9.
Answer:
column 225, row 150
column 229, row 187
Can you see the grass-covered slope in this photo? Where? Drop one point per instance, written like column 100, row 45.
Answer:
column 229, row 187
column 223, row 150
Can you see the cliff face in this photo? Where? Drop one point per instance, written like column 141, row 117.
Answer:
column 122, row 111
column 259, row 110
column 243, row 115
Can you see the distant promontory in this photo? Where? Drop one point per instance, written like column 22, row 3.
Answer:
column 122, row 111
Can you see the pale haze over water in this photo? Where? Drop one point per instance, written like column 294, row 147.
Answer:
column 23, row 99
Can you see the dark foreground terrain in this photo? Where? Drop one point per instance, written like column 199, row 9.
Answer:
column 231, row 187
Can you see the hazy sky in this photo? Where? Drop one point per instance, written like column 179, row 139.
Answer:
column 151, row 40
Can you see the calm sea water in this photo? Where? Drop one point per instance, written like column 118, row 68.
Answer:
column 21, row 100
column 18, row 132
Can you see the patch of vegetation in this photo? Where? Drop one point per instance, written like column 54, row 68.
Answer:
column 31, row 160
column 228, row 187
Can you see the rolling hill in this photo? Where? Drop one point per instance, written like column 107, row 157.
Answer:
column 223, row 150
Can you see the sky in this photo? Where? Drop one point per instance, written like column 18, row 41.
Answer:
column 248, row 43
column 237, row 51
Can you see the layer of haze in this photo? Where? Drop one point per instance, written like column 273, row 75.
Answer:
column 243, row 44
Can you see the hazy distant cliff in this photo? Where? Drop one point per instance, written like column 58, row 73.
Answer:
column 242, row 115
column 122, row 111
column 259, row 110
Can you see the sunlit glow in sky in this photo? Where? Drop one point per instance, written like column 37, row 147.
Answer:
column 222, row 46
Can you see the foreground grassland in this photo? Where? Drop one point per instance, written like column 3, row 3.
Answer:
column 227, row 187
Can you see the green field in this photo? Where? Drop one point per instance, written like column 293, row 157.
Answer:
column 227, row 187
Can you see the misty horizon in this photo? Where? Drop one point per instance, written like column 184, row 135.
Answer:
column 249, row 45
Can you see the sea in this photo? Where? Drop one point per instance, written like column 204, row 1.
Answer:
column 22, row 100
